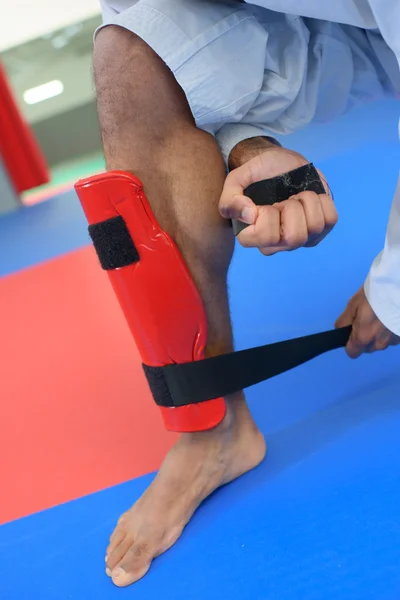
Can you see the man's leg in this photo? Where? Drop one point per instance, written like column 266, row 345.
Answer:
column 147, row 128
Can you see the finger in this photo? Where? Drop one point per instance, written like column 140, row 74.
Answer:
column 314, row 241
column 313, row 212
column 315, row 220
column 358, row 342
column 232, row 201
column 235, row 184
column 362, row 338
column 382, row 340
column 354, row 348
column 293, row 228
column 294, row 233
column 238, row 207
column 325, row 183
column 331, row 216
column 265, row 232
column 377, row 346
column 347, row 317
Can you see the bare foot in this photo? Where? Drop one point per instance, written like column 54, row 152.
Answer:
column 196, row 466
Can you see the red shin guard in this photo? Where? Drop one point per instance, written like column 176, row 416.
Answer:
column 157, row 294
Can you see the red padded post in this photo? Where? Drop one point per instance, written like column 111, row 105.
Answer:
column 22, row 157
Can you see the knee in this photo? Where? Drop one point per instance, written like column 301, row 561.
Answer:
column 114, row 49
column 131, row 76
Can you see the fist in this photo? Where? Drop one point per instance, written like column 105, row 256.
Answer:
column 303, row 220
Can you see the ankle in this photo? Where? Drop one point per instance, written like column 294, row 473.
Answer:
column 237, row 420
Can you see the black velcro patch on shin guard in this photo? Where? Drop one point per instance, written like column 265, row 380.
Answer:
column 113, row 244
column 158, row 385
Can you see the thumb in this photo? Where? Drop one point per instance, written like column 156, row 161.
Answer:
column 348, row 315
column 233, row 203
column 240, row 208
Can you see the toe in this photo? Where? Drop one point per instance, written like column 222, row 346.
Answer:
column 123, row 517
column 120, row 526
column 118, row 553
column 115, row 540
column 121, row 578
column 134, row 565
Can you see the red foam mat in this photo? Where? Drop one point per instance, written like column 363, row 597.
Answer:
column 76, row 414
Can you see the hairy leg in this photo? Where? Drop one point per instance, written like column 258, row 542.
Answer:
column 147, row 128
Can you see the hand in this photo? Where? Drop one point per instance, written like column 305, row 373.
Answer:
column 368, row 334
column 302, row 220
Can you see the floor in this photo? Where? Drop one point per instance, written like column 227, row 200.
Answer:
column 63, row 177
column 80, row 437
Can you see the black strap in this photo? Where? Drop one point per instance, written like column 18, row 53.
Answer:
column 278, row 189
column 193, row 382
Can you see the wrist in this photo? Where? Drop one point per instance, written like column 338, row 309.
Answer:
column 250, row 148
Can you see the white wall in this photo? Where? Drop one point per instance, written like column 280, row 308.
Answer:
column 24, row 20
column 76, row 76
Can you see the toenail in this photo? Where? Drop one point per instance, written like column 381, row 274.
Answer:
column 108, row 572
column 118, row 573
column 106, row 558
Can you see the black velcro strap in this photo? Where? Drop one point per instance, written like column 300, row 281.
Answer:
column 190, row 383
column 113, row 243
column 158, row 385
column 278, row 189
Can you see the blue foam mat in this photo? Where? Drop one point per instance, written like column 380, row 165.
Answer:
column 318, row 520
column 37, row 233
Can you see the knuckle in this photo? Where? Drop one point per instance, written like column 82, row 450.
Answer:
column 267, row 251
column 271, row 238
column 246, row 242
column 294, row 239
column 275, row 238
column 381, row 345
column 268, row 230
column 333, row 219
column 362, row 338
column 331, row 214
column 308, row 196
column 268, row 212
column 317, row 226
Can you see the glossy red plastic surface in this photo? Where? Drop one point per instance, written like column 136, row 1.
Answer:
column 160, row 301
